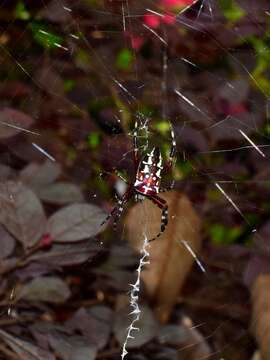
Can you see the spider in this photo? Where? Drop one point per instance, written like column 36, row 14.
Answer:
column 146, row 183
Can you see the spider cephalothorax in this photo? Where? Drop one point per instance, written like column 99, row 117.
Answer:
column 148, row 170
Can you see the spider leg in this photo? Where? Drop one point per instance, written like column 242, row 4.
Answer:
column 118, row 209
column 135, row 144
column 162, row 204
column 111, row 214
column 172, row 155
column 171, row 161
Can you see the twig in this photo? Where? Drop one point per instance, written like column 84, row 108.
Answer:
column 11, row 321
column 9, row 355
column 23, row 261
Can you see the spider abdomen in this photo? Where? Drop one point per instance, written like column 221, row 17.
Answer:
column 148, row 174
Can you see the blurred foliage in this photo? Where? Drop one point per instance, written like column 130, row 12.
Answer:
column 69, row 84
column 221, row 234
column 262, row 49
column 163, row 126
column 93, row 140
column 231, row 10
column 124, row 59
column 48, row 37
column 44, row 37
column 21, row 12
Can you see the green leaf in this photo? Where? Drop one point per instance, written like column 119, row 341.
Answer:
column 44, row 37
column 231, row 10
column 124, row 59
column 163, row 126
column 145, row 111
column 185, row 168
column 69, row 84
column 93, row 140
column 263, row 83
column 21, row 11
column 262, row 50
column 221, row 234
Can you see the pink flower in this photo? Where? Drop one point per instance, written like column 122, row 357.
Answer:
column 152, row 20
column 136, row 42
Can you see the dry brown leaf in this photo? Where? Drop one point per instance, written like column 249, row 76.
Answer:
column 256, row 356
column 170, row 262
column 260, row 294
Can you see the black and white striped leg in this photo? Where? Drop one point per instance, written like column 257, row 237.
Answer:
column 135, row 143
column 120, row 208
column 173, row 148
column 172, row 158
column 162, row 204
column 116, row 212
column 139, row 197
column 111, row 214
